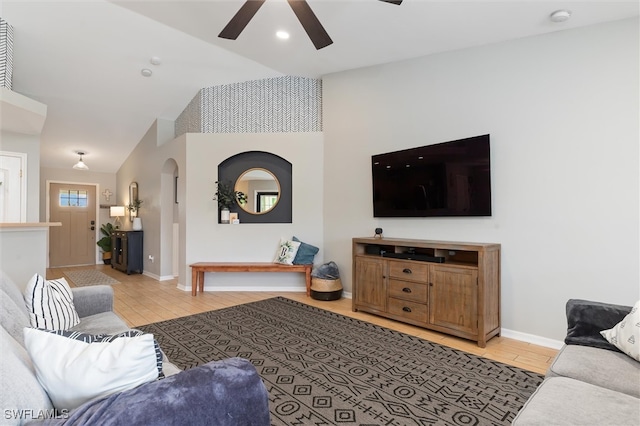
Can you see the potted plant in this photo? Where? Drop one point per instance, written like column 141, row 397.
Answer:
column 105, row 242
column 134, row 206
column 227, row 197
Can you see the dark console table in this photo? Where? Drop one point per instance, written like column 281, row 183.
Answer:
column 127, row 251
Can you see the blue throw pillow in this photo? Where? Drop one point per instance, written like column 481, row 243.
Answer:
column 306, row 253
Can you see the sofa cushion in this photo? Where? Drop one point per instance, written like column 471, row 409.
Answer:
column 626, row 334
column 13, row 318
column 103, row 323
column 9, row 288
column 21, row 396
column 73, row 372
column 92, row 300
column 564, row 401
column 222, row 393
column 607, row 369
column 50, row 304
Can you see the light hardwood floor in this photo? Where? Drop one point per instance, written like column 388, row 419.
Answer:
column 142, row 300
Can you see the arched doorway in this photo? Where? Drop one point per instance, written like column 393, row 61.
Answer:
column 169, row 217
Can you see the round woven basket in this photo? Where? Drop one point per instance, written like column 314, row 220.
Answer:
column 322, row 289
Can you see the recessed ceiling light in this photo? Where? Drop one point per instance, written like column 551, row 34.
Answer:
column 155, row 60
column 146, row 72
column 283, row 35
column 561, row 15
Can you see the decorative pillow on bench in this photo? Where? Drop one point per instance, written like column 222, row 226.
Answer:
column 305, row 254
column 74, row 368
column 286, row 251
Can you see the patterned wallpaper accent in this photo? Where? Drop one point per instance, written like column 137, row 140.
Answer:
column 190, row 120
column 281, row 104
column 6, row 54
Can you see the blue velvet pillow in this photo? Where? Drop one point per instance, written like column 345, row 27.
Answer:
column 306, row 253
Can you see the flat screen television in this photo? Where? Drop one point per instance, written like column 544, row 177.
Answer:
column 445, row 179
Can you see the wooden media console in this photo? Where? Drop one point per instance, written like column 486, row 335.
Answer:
column 446, row 286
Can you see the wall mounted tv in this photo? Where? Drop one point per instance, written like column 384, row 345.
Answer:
column 445, row 179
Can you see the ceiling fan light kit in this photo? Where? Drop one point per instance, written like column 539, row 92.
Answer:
column 80, row 165
column 309, row 21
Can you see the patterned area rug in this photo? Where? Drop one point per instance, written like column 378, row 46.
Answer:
column 85, row 277
column 322, row 368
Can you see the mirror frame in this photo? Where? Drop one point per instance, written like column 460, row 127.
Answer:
column 133, row 195
column 234, row 166
column 275, row 178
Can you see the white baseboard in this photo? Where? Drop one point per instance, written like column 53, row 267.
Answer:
column 158, row 277
column 531, row 338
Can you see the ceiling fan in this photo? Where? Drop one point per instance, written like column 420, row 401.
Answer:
column 301, row 8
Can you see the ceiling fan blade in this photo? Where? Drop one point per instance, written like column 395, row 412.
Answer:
column 398, row 2
column 241, row 19
column 310, row 23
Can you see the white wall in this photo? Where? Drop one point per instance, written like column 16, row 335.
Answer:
column 208, row 241
column 146, row 166
column 562, row 110
column 30, row 145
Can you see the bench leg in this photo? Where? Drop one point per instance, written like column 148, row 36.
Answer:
column 194, row 281
column 201, row 281
column 307, row 274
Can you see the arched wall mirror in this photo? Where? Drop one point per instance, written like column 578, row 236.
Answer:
column 133, row 196
column 261, row 188
column 266, row 181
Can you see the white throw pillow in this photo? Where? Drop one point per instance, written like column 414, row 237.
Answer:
column 50, row 304
column 286, row 251
column 626, row 334
column 73, row 372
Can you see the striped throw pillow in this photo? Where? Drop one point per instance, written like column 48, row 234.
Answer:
column 50, row 304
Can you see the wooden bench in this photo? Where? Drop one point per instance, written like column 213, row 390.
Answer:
column 198, row 270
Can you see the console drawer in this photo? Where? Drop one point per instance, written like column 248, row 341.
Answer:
column 408, row 290
column 406, row 309
column 405, row 270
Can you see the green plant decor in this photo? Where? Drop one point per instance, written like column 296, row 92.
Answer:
column 227, row 197
column 134, row 206
column 105, row 242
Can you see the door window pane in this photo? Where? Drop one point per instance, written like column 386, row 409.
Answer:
column 72, row 198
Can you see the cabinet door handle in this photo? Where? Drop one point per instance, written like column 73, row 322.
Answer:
column 407, row 271
column 430, row 284
column 406, row 290
column 406, row 309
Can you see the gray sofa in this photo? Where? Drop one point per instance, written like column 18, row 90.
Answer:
column 226, row 392
column 589, row 382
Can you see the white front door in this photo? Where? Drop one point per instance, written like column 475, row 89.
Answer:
column 73, row 243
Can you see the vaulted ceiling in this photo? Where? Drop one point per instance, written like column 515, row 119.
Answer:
column 84, row 59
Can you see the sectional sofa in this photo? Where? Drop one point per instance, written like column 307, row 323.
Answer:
column 225, row 392
column 591, row 381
